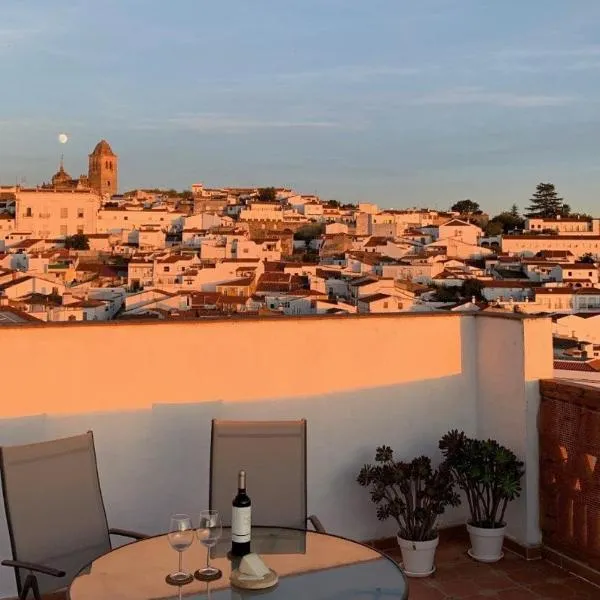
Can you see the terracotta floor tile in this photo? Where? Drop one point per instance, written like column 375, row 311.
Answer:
column 460, row 588
column 494, row 581
column 419, row 590
column 554, row 590
column 584, row 588
column 517, row 593
column 459, row 577
column 530, row 575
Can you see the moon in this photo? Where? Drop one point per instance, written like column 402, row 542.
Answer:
column 63, row 138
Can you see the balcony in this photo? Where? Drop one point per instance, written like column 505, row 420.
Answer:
column 360, row 381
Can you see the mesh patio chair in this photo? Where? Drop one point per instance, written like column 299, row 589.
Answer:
column 273, row 454
column 54, row 511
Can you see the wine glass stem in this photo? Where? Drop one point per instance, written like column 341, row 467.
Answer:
column 207, row 558
column 180, row 561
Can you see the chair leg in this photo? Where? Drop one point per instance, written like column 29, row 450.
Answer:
column 30, row 583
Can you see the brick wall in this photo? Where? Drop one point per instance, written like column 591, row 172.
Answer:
column 569, row 430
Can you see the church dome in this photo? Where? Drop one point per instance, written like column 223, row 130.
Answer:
column 61, row 176
column 103, row 149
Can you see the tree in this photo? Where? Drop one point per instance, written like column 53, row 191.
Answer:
column 546, row 203
column 332, row 204
column 505, row 222
column 472, row 288
column 493, row 228
column 446, row 294
column 466, row 207
column 79, row 241
column 267, row 194
column 310, row 231
column 514, row 211
column 587, row 258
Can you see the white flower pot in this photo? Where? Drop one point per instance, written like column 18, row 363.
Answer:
column 418, row 557
column 486, row 544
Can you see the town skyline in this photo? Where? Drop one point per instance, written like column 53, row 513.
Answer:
column 399, row 105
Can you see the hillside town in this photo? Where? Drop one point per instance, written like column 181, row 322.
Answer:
column 74, row 249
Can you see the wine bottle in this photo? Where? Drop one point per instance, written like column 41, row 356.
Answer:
column 241, row 519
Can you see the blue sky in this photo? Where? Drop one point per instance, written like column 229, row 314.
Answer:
column 398, row 102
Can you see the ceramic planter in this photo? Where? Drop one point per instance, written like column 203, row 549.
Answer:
column 418, row 557
column 486, row 544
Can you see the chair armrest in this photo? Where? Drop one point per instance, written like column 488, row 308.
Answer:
column 44, row 569
column 127, row 533
column 316, row 523
column 135, row 535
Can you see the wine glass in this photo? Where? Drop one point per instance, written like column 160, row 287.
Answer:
column 180, row 536
column 209, row 532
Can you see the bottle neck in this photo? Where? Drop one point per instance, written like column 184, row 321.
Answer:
column 242, row 482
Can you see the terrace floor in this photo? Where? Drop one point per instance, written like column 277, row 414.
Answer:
column 513, row 578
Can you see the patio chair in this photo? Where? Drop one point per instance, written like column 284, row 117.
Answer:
column 54, row 511
column 273, row 454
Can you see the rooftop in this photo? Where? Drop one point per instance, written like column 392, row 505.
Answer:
column 398, row 379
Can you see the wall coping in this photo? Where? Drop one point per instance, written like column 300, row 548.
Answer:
column 277, row 318
column 571, row 392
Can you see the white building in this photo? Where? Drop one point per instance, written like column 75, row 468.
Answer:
column 49, row 214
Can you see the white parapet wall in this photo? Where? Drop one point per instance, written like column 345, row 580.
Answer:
column 150, row 390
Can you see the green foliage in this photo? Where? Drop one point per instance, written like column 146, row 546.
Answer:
column 505, row 222
column 332, row 204
column 488, row 473
column 472, row 288
column 447, row 294
column 588, row 257
column 494, row 227
column 412, row 493
column 469, row 289
column 466, row 207
column 79, row 241
column 310, row 231
column 546, row 203
column 267, row 194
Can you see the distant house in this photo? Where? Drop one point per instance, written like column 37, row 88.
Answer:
column 506, row 290
column 380, row 303
column 528, row 245
column 468, row 233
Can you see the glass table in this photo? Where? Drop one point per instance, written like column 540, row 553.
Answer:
column 310, row 565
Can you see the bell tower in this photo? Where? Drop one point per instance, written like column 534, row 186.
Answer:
column 103, row 171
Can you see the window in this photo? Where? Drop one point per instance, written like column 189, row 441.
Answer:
column 80, row 229
column 80, row 213
column 570, row 273
column 64, row 213
column 28, row 212
column 166, row 269
column 108, row 183
column 63, row 230
column 385, row 305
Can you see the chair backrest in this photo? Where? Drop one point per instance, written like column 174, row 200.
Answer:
column 54, row 506
column 273, row 454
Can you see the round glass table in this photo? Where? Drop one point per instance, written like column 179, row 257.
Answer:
column 310, row 565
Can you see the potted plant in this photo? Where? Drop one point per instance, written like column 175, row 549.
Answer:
column 414, row 494
column 490, row 476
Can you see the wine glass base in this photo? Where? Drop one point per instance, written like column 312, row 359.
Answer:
column 209, row 574
column 179, row 578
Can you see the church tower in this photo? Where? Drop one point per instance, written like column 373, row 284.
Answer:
column 103, row 172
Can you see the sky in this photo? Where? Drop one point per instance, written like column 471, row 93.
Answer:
column 396, row 102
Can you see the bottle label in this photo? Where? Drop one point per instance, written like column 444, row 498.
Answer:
column 241, row 522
